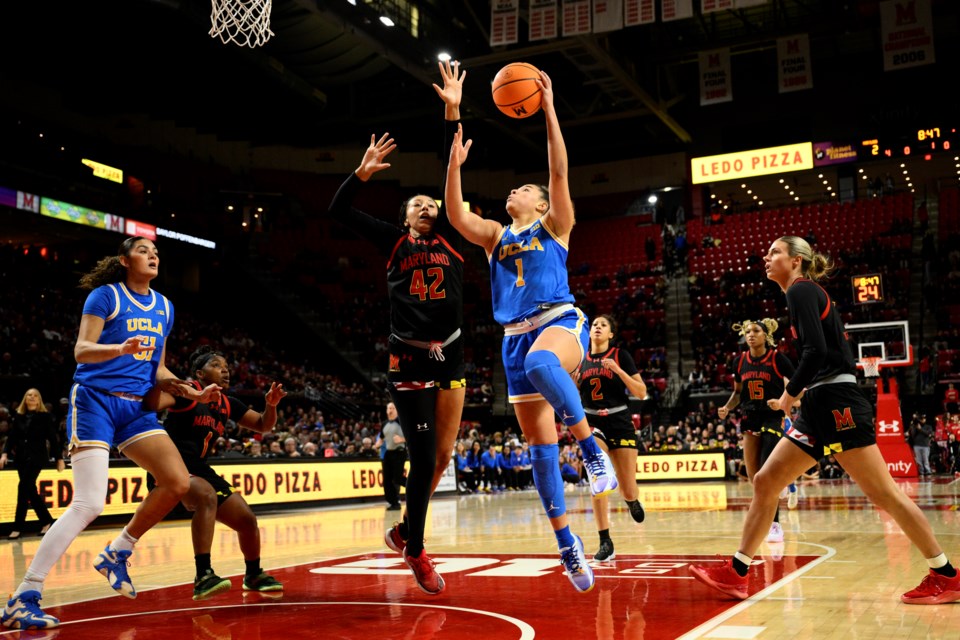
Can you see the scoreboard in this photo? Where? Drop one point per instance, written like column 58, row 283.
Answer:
column 916, row 143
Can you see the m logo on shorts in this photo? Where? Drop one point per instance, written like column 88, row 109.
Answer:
column 843, row 421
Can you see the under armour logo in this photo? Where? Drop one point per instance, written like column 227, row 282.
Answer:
column 893, row 427
column 423, row 426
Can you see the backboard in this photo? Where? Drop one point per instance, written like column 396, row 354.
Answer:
column 890, row 341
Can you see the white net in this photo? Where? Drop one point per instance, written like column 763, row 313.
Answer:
column 243, row 22
column 871, row 367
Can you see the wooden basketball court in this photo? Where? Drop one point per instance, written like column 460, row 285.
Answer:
column 839, row 573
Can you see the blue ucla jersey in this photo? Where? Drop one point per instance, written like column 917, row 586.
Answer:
column 528, row 269
column 127, row 314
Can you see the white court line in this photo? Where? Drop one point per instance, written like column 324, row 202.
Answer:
column 526, row 631
column 760, row 595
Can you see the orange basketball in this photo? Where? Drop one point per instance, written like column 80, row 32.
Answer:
column 515, row 90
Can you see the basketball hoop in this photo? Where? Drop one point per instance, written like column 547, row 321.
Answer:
column 243, row 22
column 871, row 366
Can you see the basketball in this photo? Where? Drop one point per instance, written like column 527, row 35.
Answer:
column 515, row 90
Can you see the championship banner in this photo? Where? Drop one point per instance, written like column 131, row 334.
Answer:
column 658, row 467
column 906, row 33
column 676, row 10
column 607, row 15
column 503, row 22
column 637, row 12
column 544, row 20
column 260, row 483
column 794, row 71
column 715, row 77
column 712, row 6
column 576, row 17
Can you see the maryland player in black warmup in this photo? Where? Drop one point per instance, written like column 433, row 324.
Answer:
column 835, row 418
column 758, row 383
column 607, row 377
column 425, row 286
column 193, row 427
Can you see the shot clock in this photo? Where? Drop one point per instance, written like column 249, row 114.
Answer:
column 867, row 288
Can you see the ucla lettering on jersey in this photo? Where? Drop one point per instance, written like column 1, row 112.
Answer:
column 528, row 270
column 127, row 314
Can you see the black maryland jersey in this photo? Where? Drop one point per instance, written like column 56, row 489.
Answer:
column 194, row 427
column 424, row 275
column 425, row 286
column 761, row 380
column 601, row 388
column 820, row 336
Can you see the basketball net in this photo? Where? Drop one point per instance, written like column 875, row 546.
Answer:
column 244, row 22
column 871, row 366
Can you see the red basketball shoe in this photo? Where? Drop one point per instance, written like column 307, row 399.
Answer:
column 724, row 578
column 934, row 589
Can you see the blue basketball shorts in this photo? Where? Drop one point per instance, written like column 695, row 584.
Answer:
column 98, row 419
column 515, row 348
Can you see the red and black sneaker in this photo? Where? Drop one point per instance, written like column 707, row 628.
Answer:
column 934, row 589
column 722, row 577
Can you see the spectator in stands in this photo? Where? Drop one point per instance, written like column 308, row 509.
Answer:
column 569, row 471
column 255, row 450
column 545, row 335
column 426, row 372
column 211, row 498
column 830, row 469
column 951, row 401
column 836, row 415
column 490, row 469
column 310, row 450
column 120, row 351
column 275, row 450
column 366, row 449
column 32, row 440
column 473, row 462
column 290, row 449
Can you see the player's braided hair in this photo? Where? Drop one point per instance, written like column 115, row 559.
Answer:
column 767, row 325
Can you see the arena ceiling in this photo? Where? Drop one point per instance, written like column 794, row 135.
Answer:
column 332, row 74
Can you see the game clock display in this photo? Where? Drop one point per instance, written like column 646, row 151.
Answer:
column 867, row 288
column 918, row 142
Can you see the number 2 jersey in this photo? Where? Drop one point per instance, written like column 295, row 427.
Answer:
column 528, row 272
column 127, row 314
column 195, row 426
column 601, row 388
column 761, row 380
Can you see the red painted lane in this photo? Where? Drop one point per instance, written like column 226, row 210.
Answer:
column 374, row 596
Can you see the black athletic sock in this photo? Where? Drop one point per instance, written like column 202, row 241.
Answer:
column 776, row 516
column 202, row 560
column 604, row 535
column 947, row 570
column 404, row 528
column 740, row 567
column 253, row 568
